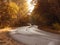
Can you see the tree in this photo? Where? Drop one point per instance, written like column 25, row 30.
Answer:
column 8, row 13
column 46, row 13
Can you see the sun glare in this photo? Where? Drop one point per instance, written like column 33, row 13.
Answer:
column 31, row 5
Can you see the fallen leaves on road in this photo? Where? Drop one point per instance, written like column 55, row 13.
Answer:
column 5, row 39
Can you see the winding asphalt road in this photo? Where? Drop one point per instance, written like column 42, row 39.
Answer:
column 31, row 35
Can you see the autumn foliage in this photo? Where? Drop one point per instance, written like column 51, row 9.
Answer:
column 12, row 15
column 47, row 13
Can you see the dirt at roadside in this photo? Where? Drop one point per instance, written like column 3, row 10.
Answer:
column 5, row 39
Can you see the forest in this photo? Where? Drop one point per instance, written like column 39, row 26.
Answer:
column 46, row 14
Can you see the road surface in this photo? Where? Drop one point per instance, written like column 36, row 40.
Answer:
column 31, row 35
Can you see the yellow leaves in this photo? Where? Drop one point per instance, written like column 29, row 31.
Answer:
column 14, row 7
column 56, row 26
column 8, row 14
column 6, row 29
